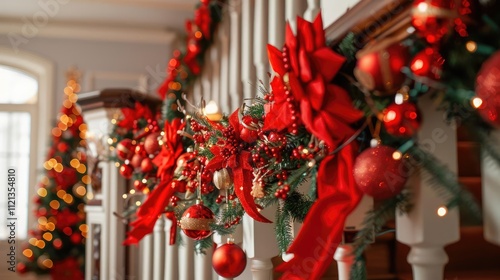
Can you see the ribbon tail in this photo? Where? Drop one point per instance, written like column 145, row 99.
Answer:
column 173, row 227
column 242, row 188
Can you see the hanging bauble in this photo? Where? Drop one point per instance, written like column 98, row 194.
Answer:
column 139, row 185
column 140, row 150
column 126, row 171
column 146, row 165
column 222, row 179
column 151, row 144
column 433, row 18
column 378, row 174
column 136, row 160
column 250, row 131
column 196, row 220
column 125, row 149
column 428, row 63
column 488, row 90
column 402, row 120
column 379, row 67
column 229, row 260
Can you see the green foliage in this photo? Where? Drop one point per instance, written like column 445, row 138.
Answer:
column 283, row 228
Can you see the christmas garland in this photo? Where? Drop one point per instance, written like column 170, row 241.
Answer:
column 333, row 118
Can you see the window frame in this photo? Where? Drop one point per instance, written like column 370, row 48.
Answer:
column 41, row 112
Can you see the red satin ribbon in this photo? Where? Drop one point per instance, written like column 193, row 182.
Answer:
column 322, row 230
column 173, row 228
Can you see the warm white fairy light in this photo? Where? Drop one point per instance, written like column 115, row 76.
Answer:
column 476, row 102
column 442, row 211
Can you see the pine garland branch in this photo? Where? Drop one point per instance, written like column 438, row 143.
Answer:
column 297, row 205
column 445, row 182
column 283, row 228
column 201, row 246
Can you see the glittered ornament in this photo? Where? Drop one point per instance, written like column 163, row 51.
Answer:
column 427, row 63
column 229, row 260
column 126, row 171
column 125, row 149
column 402, row 120
column 488, row 90
column 378, row 174
column 379, row 67
column 250, row 131
column 146, row 165
column 151, row 144
column 196, row 220
column 222, row 179
column 433, row 18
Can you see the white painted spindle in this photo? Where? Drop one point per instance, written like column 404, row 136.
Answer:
column 215, row 52
column 247, row 65
column 235, row 63
column 186, row 258
column 203, row 265
column 490, row 178
column 206, row 78
column 171, row 255
column 313, row 8
column 422, row 228
column 260, row 59
column 277, row 22
column 293, row 9
column 223, row 93
column 159, row 249
column 147, row 257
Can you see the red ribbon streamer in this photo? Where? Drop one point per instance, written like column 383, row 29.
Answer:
column 173, row 228
column 322, row 230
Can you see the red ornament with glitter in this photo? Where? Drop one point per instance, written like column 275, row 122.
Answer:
column 488, row 89
column 229, row 260
column 125, row 149
column 196, row 220
column 428, row 63
column 151, row 144
column 378, row 174
column 379, row 67
column 433, row 18
column 402, row 120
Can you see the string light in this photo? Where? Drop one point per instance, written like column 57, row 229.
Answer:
column 476, row 102
column 471, row 46
column 442, row 211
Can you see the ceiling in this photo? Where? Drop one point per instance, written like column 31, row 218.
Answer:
column 148, row 14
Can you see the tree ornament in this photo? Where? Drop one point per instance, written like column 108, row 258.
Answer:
column 136, row 161
column 433, row 18
column 378, row 174
column 151, row 144
column 139, row 185
column 428, row 63
column 146, row 165
column 229, row 260
column 250, row 131
column 196, row 220
column 379, row 66
column 488, row 90
column 402, row 120
column 126, row 171
column 140, row 150
column 125, row 149
column 222, row 179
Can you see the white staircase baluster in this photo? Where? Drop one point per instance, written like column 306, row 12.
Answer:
column 247, row 65
column 260, row 58
column 186, row 258
column 293, row 9
column 171, row 255
column 223, row 99
column 313, row 8
column 215, row 52
column 203, row 265
column 277, row 22
column 235, row 63
column 422, row 228
column 159, row 249
column 146, row 267
column 490, row 178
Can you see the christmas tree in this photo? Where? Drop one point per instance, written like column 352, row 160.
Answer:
column 57, row 243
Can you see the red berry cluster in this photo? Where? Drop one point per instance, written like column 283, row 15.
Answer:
column 284, row 188
column 305, row 153
column 233, row 222
column 270, row 148
column 221, row 198
column 174, row 200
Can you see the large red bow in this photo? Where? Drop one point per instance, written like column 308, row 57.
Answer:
column 322, row 230
column 130, row 115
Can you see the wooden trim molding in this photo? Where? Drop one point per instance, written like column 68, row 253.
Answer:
column 116, row 98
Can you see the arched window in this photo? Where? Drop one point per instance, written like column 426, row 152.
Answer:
column 26, row 85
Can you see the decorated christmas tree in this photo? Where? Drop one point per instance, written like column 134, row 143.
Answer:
column 57, row 242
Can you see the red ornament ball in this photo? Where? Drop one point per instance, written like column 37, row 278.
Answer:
column 140, row 150
column 21, row 268
column 488, row 89
column 146, row 165
column 126, row 171
column 428, row 63
column 139, row 185
column 229, row 260
column 125, row 149
column 196, row 220
column 433, row 18
column 379, row 67
column 402, row 120
column 136, row 161
column 378, row 174
column 151, row 144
